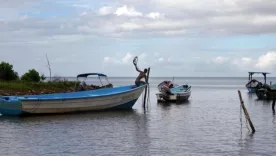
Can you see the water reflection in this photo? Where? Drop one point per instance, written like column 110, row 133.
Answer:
column 250, row 95
column 246, row 143
column 94, row 130
column 69, row 116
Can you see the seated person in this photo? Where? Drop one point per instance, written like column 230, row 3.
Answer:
column 142, row 74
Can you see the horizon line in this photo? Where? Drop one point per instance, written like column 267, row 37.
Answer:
column 170, row 76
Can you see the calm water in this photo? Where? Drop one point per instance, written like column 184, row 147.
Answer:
column 209, row 124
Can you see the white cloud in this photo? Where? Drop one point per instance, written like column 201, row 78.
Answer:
column 161, row 59
column 142, row 56
column 155, row 15
column 106, row 10
column 127, row 11
column 267, row 61
column 127, row 58
column 107, row 59
column 244, row 63
column 220, row 59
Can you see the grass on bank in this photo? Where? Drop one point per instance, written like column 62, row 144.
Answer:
column 24, row 87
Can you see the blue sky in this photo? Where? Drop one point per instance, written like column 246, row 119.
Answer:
column 179, row 38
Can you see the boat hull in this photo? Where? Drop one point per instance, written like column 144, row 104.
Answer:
column 251, row 89
column 265, row 94
column 174, row 97
column 118, row 100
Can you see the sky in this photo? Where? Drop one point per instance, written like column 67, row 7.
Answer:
column 212, row 38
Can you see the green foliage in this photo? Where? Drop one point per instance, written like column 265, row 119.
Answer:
column 42, row 77
column 16, row 86
column 7, row 73
column 31, row 76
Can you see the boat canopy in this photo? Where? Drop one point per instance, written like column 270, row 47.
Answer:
column 87, row 74
column 100, row 76
column 251, row 73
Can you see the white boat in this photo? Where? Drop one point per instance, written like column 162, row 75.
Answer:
column 123, row 97
column 173, row 92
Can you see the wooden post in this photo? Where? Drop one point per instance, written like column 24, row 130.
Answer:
column 273, row 106
column 246, row 113
column 146, row 88
column 273, row 102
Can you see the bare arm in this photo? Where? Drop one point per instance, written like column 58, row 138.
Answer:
column 137, row 69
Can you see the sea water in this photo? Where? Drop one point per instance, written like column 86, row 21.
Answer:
column 208, row 124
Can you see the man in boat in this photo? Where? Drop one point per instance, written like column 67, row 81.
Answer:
column 166, row 88
column 142, row 74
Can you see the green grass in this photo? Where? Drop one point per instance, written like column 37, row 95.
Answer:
column 12, row 87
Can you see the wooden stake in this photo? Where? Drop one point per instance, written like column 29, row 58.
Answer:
column 146, row 89
column 247, row 117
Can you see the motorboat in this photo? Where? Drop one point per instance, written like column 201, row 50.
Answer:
column 169, row 91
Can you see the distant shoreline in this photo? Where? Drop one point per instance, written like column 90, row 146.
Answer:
column 165, row 77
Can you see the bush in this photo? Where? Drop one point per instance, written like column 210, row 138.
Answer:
column 7, row 73
column 32, row 76
column 42, row 77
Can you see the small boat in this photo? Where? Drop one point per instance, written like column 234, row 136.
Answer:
column 169, row 91
column 253, row 84
column 122, row 97
column 263, row 91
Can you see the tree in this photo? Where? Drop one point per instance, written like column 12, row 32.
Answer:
column 32, row 75
column 7, row 73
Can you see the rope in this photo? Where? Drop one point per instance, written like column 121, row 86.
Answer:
column 241, row 115
column 247, row 124
column 245, row 119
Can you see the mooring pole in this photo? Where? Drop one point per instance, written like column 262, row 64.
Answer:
column 146, row 88
column 273, row 103
column 246, row 113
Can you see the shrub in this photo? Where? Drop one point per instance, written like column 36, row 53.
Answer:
column 42, row 77
column 7, row 73
column 32, row 76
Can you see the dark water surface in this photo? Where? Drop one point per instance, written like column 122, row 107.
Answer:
column 209, row 124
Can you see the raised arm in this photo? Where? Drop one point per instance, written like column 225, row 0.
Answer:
column 137, row 69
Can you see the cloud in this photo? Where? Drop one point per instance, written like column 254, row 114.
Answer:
column 155, row 15
column 126, row 59
column 220, row 59
column 156, row 31
column 127, row 11
column 161, row 59
column 106, row 10
column 267, row 61
column 187, row 18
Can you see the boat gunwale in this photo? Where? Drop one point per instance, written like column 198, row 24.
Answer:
column 23, row 98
